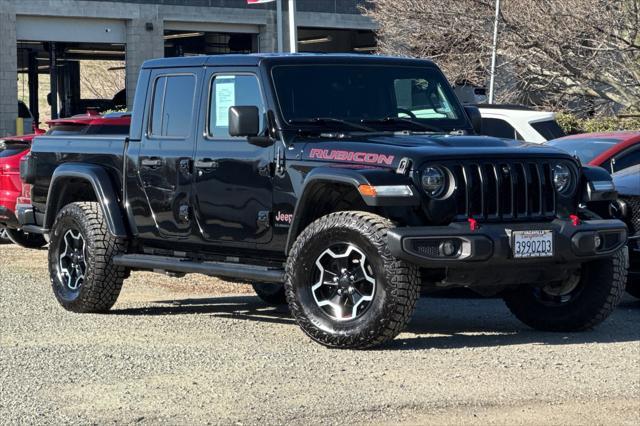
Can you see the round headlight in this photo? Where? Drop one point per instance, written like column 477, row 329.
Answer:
column 561, row 177
column 433, row 181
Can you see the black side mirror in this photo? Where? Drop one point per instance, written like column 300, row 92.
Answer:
column 476, row 119
column 244, row 121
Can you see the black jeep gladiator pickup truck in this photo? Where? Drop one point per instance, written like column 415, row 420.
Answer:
column 337, row 183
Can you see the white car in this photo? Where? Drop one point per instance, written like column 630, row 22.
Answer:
column 518, row 122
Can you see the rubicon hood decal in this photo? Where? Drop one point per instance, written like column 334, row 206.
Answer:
column 352, row 156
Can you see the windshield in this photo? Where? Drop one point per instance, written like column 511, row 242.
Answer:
column 585, row 149
column 371, row 94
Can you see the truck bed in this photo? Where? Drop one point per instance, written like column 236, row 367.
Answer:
column 48, row 152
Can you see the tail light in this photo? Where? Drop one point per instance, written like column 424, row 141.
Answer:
column 10, row 167
column 25, row 196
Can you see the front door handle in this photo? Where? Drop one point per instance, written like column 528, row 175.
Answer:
column 151, row 162
column 206, row 163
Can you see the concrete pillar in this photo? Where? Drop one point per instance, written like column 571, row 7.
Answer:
column 267, row 39
column 144, row 41
column 8, row 72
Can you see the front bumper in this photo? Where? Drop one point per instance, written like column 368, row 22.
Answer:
column 490, row 244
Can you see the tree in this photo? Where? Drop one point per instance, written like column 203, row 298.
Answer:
column 573, row 54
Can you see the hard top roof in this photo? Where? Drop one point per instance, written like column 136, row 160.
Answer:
column 255, row 59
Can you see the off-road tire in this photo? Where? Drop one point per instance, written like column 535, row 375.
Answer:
column 25, row 239
column 4, row 237
column 396, row 282
column 271, row 293
column 602, row 286
column 103, row 280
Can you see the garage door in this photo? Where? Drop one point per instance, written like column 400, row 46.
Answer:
column 43, row 28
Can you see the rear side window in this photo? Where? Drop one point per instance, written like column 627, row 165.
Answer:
column 630, row 157
column 10, row 150
column 67, row 130
column 499, row 129
column 549, row 129
column 172, row 109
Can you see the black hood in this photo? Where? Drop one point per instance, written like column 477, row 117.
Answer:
column 389, row 149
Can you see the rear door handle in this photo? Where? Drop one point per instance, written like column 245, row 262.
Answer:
column 151, row 162
column 206, row 163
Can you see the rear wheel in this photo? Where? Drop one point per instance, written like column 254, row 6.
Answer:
column 580, row 302
column 344, row 288
column 26, row 239
column 83, row 276
column 4, row 237
column 271, row 293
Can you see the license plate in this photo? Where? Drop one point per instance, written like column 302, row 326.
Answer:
column 532, row 244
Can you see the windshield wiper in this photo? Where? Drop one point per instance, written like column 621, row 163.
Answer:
column 327, row 120
column 415, row 123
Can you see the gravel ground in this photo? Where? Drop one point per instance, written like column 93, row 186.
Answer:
column 199, row 351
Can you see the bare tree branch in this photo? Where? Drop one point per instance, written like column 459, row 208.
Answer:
column 571, row 54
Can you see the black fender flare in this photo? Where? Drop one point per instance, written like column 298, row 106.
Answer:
column 99, row 180
column 352, row 177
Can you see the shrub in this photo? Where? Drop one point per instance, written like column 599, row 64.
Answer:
column 572, row 124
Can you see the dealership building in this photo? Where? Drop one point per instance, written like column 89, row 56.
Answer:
column 47, row 39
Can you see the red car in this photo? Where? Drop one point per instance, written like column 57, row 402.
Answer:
column 14, row 148
column 613, row 151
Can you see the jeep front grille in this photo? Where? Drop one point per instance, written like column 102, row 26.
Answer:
column 505, row 190
column 634, row 214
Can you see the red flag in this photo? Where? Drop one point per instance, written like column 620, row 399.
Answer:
column 259, row 1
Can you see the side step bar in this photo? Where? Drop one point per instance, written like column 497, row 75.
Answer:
column 33, row 229
column 215, row 269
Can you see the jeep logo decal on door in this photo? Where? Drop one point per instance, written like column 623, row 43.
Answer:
column 284, row 218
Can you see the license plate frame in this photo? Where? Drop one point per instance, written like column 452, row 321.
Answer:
column 532, row 244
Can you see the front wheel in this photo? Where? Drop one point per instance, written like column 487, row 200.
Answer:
column 83, row 276
column 26, row 239
column 344, row 288
column 580, row 302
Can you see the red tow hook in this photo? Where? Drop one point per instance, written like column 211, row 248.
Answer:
column 473, row 224
column 575, row 220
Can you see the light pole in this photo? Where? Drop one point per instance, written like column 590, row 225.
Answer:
column 279, row 25
column 494, row 53
column 293, row 31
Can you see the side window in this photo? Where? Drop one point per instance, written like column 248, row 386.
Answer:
column 627, row 159
column 172, row 108
column 228, row 91
column 499, row 129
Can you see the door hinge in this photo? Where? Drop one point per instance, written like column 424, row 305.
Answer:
column 280, row 162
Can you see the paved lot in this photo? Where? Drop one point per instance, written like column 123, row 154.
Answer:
column 190, row 352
